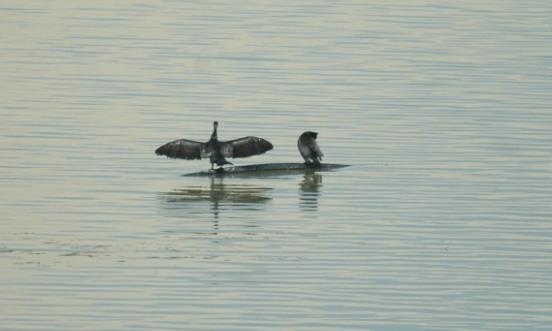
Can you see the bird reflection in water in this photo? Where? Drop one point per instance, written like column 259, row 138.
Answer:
column 219, row 196
column 310, row 191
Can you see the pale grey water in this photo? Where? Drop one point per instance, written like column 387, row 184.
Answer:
column 443, row 221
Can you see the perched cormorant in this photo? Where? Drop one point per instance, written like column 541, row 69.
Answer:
column 214, row 149
column 309, row 148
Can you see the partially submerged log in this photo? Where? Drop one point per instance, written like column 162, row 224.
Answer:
column 268, row 168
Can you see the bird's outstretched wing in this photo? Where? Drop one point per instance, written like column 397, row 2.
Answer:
column 183, row 149
column 244, row 147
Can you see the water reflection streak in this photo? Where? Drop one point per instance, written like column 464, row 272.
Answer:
column 309, row 190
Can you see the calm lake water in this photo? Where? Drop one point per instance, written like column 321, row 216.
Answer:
column 442, row 222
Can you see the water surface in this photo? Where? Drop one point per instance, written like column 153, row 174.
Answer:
column 442, row 222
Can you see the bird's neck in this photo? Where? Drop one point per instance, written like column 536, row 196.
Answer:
column 214, row 134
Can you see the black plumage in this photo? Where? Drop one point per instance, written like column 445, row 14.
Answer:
column 217, row 151
column 309, row 149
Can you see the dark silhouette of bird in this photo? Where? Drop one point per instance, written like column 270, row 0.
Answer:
column 308, row 147
column 215, row 150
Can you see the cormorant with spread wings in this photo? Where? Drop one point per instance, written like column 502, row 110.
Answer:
column 215, row 150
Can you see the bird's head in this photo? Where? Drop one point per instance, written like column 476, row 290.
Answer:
column 312, row 134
